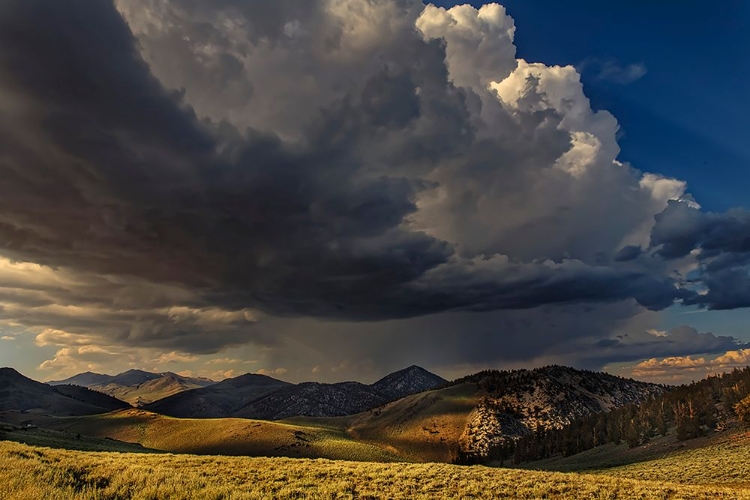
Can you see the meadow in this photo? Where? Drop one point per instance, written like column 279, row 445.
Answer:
column 721, row 458
column 225, row 436
column 423, row 427
column 28, row 472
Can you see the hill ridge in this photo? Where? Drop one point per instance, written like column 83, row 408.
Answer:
column 21, row 393
column 136, row 386
column 311, row 399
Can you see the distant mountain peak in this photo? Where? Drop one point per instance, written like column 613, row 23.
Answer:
column 136, row 371
column 253, row 377
column 409, row 380
column 7, row 371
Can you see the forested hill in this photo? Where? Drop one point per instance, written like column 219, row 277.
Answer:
column 689, row 411
column 520, row 403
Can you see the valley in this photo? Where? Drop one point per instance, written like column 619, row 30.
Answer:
column 417, row 435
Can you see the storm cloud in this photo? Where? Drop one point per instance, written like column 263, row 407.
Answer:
column 720, row 243
column 188, row 171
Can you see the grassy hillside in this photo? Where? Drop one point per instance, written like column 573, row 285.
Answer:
column 167, row 385
column 226, row 436
column 61, row 474
column 56, row 439
column 217, row 400
column 425, row 427
column 422, row 427
column 720, row 458
column 24, row 394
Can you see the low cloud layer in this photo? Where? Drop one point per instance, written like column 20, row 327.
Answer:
column 684, row 369
column 189, row 177
column 639, row 344
column 720, row 244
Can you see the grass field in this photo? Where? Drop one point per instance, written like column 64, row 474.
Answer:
column 722, row 458
column 56, row 439
column 226, row 436
column 425, row 427
column 33, row 465
column 28, row 472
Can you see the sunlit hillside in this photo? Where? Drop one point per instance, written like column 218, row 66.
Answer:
column 422, row 427
column 720, row 458
column 226, row 436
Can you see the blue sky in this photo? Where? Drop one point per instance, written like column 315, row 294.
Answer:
column 687, row 116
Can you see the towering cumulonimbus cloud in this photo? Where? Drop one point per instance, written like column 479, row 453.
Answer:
column 352, row 160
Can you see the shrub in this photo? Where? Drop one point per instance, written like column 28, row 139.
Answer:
column 742, row 409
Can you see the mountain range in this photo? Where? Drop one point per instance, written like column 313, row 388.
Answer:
column 412, row 413
column 136, row 387
column 427, row 418
column 472, row 415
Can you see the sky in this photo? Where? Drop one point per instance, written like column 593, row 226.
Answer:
column 329, row 190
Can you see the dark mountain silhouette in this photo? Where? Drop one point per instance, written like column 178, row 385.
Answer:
column 24, row 394
column 84, row 379
column 218, row 400
column 407, row 381
column 269, row 399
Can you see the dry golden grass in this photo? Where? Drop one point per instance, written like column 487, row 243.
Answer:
column 423, row 427
column 723, row 460
column 28, row 472
column 719, row 459
column 56, row 439
column 226, row 436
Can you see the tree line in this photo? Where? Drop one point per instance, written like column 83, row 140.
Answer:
column 689, row 411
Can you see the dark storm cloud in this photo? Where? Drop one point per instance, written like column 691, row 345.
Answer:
column 723, row 242
column 682, row 227
column 324, row 180
column 107, row 172
column 134, row 183
column 628, row 253
column 680, row 341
